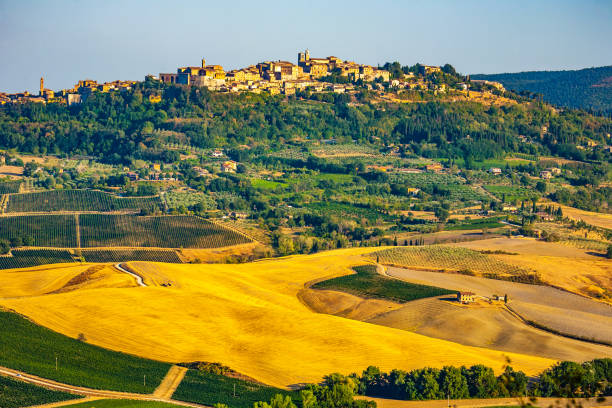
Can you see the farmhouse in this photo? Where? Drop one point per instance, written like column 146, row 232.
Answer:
column 466, row 297
column 495, row 170
column 229, row 166
column 545, row 174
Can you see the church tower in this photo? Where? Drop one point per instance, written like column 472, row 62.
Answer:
column 42, row 86
column 203, row 63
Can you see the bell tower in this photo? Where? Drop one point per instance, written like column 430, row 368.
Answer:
column 42, row 86
column 203, row 62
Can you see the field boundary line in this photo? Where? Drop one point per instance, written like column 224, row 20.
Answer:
column 171, row 381
column 217, row 223
column 78, row 230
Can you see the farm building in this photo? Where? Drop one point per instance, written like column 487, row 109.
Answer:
column 229, row 166
column 466, row 297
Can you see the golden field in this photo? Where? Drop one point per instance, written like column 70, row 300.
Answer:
column 593, row 218
column 573, row 269
column 246, row 316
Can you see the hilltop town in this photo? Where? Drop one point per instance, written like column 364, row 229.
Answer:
column 310, row 74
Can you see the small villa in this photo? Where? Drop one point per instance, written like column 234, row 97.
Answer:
column 466, row 297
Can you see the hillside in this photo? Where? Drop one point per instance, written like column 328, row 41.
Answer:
column 233, row 314
column 589, row 88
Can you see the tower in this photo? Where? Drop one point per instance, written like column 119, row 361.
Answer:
column 42, row 86
column 203, row 62
column 307, row 54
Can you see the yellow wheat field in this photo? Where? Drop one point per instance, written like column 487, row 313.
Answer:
column 246, row 316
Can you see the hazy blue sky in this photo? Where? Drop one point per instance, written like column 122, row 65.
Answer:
column 67, row 40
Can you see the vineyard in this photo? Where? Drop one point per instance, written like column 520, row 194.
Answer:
column 126, row 255
column 511, row 193
column 437, row 257
column 77, row 200
column 210, row 388
column 9, row 187
column 180, row 231
column 57, row 231
column 26, row 258
column 456, row 187
column 368, row 283
column 16, row 394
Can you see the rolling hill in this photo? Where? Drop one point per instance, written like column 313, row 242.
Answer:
column 248, row 316
column 589, row 88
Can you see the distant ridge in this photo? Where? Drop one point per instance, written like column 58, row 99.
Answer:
column 589, row 88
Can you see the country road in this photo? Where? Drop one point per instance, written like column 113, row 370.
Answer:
column 138, row 277
column 162, row 394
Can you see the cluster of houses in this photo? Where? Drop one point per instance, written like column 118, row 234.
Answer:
column 276, row 76
column 77, row 94
column 547, row 174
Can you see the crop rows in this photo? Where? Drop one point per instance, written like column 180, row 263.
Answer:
column 512, row 193
column 367, row 282
column 77, row 200
column 28, row 347
column 125, row 255
column 8, row 187
column 44, row 230
column 456, row 187
column 443, row 257
column 180, row 231
column 16, row 394
column 210, row 389
column 26, row 258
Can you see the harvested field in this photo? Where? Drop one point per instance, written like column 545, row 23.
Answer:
column 485, row 326
column 576, row 270
column 249, row 317
column 593, row 218
column 530, row 298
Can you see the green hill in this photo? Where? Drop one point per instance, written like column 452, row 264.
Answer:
column 589, row 88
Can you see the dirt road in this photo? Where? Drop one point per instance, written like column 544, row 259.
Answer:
column 167, row 387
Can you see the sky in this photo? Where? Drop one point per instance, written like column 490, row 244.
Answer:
column 68, row 40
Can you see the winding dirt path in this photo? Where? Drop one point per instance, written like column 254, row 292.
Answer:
column 138, row 277
column 167, row 387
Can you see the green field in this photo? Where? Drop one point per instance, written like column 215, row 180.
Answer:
column 177, row 231
column 26, row 258
column 209, row 389
column 366, row 282
column 57, row 231
column 16, row 394
column 33, row 349
column 345, row 210
column 266, row 184
column 124, row 255
column 77, row 200
column 456, row 187
column 478, row 223
column 8, row 187
column 119, row 230
column 512, row 193
column 114, row 403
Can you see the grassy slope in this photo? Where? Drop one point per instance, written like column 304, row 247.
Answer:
column 113, row 403
column 15, row 394
column 209, row 389
column 27, row 347
column 366, row 282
